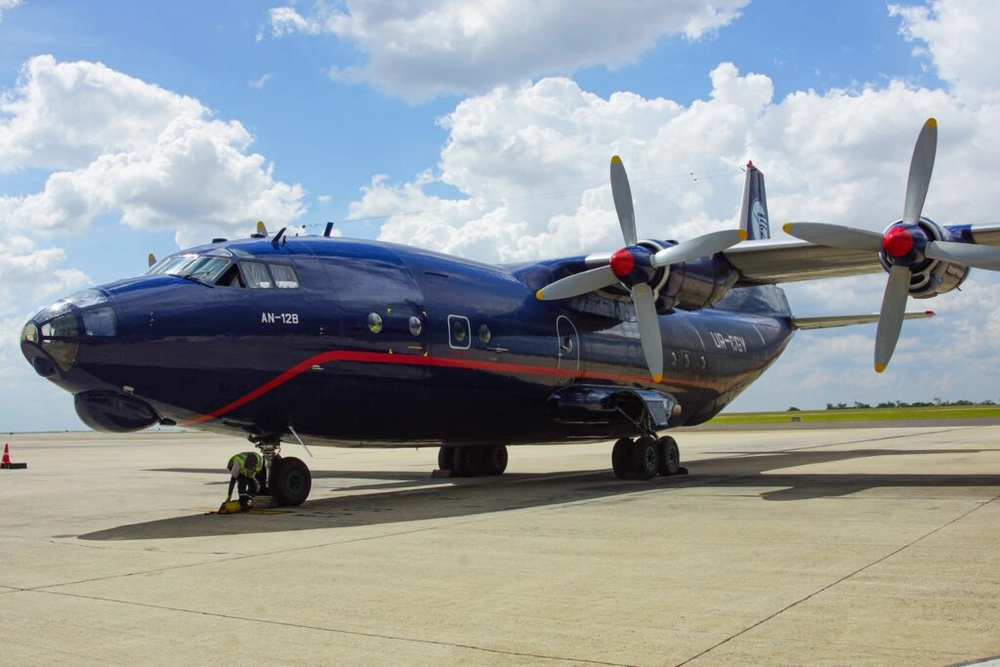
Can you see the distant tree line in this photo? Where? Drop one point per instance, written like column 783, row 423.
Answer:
column 937, row 402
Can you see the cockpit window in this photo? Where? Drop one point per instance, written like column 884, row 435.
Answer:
column 206, row 269
column 203, row 268
column 284, row 276
column 217, row 268
column 257, row 276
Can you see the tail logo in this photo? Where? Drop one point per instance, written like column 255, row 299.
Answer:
column 759, row 216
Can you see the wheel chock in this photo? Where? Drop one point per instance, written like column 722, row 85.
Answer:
column 6, row 464
column 262, row 502
column 229, row 507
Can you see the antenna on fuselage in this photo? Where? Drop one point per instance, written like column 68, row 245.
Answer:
column 329, row 228
column 278, row 237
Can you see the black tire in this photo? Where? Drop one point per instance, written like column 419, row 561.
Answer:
column 468, row 461
column 495, row 460
column 621, row 459
column 670, row 456
column 646, row 458
column 291, row 481
column 446, row 458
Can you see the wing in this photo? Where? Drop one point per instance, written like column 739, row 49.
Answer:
column 771, row 261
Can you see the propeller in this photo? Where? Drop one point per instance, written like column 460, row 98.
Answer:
column 635, row 266
column 903, row 245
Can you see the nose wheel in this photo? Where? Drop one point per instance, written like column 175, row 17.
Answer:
column 288, row 478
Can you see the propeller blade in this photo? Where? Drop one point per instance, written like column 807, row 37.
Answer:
column 577, row 284
column 921, row 166
column 977, row 256
column 649, row 329
column 835, row 236
column 622, row 194
column 890, row 319
column 151, row 259
column 703, row 246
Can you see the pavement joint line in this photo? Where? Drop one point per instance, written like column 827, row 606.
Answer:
column 478, row 519
column 978, row 506
column 355, row 633
column 846, row 442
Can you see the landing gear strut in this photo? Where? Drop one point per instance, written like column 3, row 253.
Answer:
column 288, row 478
column 645, row 457
column 473, row 461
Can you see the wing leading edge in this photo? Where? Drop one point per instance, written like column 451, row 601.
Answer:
column 771, row 261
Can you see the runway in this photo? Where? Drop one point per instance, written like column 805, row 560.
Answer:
column 784, row 546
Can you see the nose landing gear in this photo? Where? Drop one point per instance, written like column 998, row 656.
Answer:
column 288, row 478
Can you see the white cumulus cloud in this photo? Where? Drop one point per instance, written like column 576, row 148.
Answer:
column 418, row 49
column 115, row 144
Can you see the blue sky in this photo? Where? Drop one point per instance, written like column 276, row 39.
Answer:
column 484, row 129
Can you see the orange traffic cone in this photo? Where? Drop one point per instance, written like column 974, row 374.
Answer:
column 5, row 463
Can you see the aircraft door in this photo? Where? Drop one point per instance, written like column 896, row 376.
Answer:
column 568, row 341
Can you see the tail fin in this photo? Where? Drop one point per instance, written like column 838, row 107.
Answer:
column 753, row 216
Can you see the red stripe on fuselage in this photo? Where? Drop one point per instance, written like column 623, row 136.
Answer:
column 405, row 360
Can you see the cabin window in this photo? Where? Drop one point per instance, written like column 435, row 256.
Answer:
column 416, row 326
column 284, row 276
column 458, row 332
column 257, row 276
column 485, row 335
column 374, row 322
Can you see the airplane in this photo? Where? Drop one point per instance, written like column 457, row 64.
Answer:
column 359, row 343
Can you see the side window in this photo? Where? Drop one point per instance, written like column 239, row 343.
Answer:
column 256, row 275
column 458, row 332
column 231, row 278
column 284, row 276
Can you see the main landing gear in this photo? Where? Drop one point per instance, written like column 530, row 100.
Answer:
column 288, row 478
column 646, row 457
column 473, row 461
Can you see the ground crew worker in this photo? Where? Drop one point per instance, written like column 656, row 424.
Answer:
column 245, row 469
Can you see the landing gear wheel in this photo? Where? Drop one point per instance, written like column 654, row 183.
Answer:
column 670, row 456
column 290, row 481
column 645, row 458
column 494, row 460
column 621, row 458
column 468, row 461
column 446, row 458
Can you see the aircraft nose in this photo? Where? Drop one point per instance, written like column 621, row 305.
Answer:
column 50, row 341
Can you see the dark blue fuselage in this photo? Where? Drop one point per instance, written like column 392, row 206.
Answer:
column 361, row 343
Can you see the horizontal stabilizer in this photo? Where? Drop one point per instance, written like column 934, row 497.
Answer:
column 830, row 321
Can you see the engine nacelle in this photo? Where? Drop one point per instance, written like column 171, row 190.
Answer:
column 928, row 277
column 689, row 286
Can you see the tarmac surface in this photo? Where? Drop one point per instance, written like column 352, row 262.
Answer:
column 786, row 546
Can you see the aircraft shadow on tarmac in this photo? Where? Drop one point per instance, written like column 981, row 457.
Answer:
column 414, row 496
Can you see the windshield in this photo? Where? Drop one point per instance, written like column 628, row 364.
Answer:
column 203, row 268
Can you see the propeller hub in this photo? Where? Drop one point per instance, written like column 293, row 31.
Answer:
column 622, row 263
column 897, row 242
